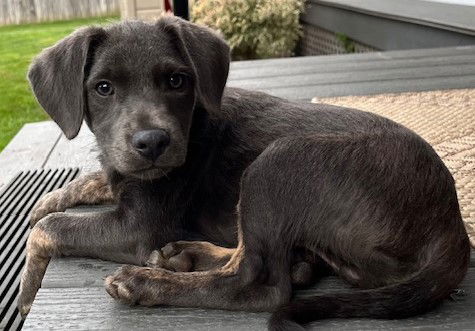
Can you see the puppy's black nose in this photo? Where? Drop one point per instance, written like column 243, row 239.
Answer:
column 151, row 143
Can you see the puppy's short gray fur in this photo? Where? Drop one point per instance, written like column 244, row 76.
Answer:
column 297, row 188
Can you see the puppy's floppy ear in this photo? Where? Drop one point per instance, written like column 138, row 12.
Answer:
column 57, row 77
column 207, row 53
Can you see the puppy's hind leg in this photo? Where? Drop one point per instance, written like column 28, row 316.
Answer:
column 187, row 256
column 190, row 256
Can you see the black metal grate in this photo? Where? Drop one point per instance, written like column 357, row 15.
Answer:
column 16, row 201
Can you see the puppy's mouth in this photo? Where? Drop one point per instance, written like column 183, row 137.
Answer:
column 132, row 164
column 149, row 173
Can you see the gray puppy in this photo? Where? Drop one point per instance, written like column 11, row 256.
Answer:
column 275, row 191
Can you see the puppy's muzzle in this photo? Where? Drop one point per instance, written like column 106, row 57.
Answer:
column 151, row 143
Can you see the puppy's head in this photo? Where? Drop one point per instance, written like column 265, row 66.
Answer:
column 136, row 84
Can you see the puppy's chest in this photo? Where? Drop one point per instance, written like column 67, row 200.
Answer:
column 219, row 228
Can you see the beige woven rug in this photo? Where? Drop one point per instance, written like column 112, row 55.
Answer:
column 446, row 119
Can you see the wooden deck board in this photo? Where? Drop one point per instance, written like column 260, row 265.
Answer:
column 305, row 93
column 352, row 77
column 80, row 152
column 29, row 149
column 358, row 74
column 93, row 309
column 355, row 58
column 320, row 67
column 72, row 296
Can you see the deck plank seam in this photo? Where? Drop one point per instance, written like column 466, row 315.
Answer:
column 51, row 150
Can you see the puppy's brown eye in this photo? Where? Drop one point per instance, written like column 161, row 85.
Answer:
column 104, row 88
column 176, row 81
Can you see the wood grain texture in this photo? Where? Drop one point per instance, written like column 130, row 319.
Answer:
column 72, row 296
column 79, row 308
column 77, row 272
column 354, row 58
column 360, row 67
column 306, row 80
column 94, row 309
column 79, row 152
column 415, row 84
column 29, row 149
column 358, row 74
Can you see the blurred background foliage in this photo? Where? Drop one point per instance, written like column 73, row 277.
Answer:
column 255, row 29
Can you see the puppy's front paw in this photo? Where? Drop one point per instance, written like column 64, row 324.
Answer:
column 49, row 203
column 135, row 285
column 39, row 248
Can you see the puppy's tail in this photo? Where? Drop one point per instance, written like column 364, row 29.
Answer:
column 421, row 292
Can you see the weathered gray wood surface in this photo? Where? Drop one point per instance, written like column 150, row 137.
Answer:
column 373, row 64
column 29, row 149
column 358, row 74
column 41, row 145
column 347, row 77
column 80, row 152
column 72, row 296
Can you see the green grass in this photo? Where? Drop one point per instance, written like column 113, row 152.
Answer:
column 18, row 45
